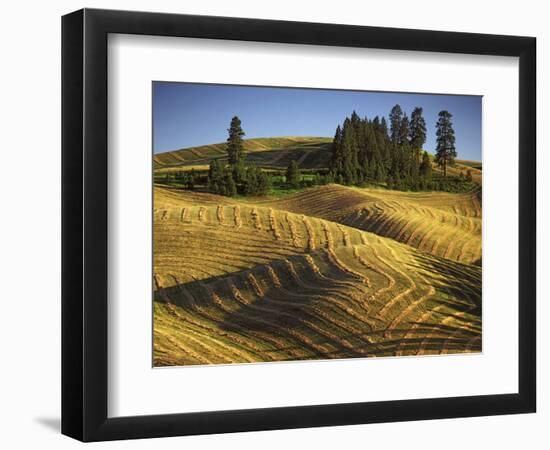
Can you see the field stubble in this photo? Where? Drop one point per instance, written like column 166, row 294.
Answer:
column 331, row 272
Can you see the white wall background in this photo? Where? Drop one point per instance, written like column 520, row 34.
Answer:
column 30, row 230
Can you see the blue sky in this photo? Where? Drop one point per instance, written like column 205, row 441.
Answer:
column 189, row 114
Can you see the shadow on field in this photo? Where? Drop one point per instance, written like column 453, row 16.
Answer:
column 461, row 280
column 317, row 157
column 298, row 314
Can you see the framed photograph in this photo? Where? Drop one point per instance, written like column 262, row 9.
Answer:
column 273, row 224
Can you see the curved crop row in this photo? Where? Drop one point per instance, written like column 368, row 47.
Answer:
column 431, row 223
column 238, row 283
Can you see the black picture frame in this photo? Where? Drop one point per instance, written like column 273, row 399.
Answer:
column 84, row 224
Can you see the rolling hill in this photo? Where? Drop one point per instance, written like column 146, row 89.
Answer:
column 439, row 223
column 326, row 272
column 462, row 166
column 299, row 278
column 273, row 153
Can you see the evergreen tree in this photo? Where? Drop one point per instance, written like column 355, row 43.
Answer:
column 417, row 129
column 415, row 165
column 383, row 144
column 235, row 145
column 426, row 167
column 379, row 172
column 239, row 172
column 350, row 153
column 445, row 150
column 215, row 177
column 364, row 147
column 229, row 186
column 376, row 165
column 337, row 158
column 406, row 160
column 263, row 182
column 251, row 181
column 396, row 116
column 417, row 138
column 355, row 120
column 293, row 174
column 403, row 137
column 384, row 126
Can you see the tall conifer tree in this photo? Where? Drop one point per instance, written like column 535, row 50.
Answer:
column 417, row 129
column 445, row 150
column 235, row 145
column 396, row 116
column 337, row 158
column 403, row 131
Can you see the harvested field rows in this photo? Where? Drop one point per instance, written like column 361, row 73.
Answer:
column 436, row 223
column 313, row 152
column 237, row 282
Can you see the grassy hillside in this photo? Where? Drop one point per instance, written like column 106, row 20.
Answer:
column 439, row 223
column 463, row 166
column 298, row 278
column 276, row 153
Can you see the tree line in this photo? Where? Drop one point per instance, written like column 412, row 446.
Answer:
column 366, row 150
column 363, row 151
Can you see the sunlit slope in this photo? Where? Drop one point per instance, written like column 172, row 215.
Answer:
column 442, row 224
column 462, row 166
column 275, row 153
column 242, row 283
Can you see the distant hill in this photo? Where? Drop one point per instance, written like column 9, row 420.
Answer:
column 276, row 152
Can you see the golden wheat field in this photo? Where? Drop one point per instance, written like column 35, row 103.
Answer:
column 327, row 272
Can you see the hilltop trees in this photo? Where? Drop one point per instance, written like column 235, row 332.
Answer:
column 365, row 150
column 445, row 150
column 370, row 151
column 236, row 177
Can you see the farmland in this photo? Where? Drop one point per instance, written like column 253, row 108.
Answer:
column 323, row 272
column 269, row 153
